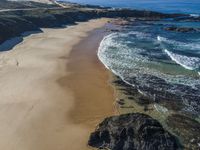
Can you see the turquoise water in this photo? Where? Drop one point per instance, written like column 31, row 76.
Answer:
column 159, row 63
column 167, row 6
column 162, row 64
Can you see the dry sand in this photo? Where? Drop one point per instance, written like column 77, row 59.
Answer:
column 42, row 105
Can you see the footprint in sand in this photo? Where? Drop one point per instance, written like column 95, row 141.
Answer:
column 8, row 61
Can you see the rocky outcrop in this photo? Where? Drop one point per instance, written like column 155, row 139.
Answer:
column 4, row 4
column 38, row 1
column 32, row 19
column 188, row 129
column 188, row 18
column 182, row 29
column 132, row 132
column 12, row 26
column 156, row 90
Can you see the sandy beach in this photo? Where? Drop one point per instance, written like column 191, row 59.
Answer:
column 53, row 89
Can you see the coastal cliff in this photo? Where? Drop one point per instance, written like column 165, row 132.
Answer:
column 31, row 16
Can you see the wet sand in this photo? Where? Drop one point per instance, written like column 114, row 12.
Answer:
column 89, row 81
column 53, row 92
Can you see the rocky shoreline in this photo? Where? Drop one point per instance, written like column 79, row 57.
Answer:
column 167, row 108
column 117, row 132
column 14, row 23
column 182, row 125
column 132, row 132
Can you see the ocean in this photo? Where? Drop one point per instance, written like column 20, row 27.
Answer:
column 162, row 64
column 166, row 6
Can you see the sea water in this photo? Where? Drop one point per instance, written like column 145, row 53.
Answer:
column 167, row 6
column 160, row 63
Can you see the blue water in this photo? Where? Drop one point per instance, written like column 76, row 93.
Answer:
column 167, row 6
column 161, row 64
column 156, row 61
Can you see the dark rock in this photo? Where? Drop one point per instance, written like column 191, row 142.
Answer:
column 113, row 30
column 187, row 18
column 121, row 102
column 142, row 100
column 44, row 16
column 157, row 90
column 5, row 4
column 12, row 26
column 182, row 29
column 187, row 128
column 132, row 132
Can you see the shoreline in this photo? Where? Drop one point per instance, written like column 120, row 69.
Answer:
column 40, row 113
column 55, row 90
column 89, row 82
column 15, row 22
column 129, row 99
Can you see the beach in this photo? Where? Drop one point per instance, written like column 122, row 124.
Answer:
column 54, row 90
column 72, row 82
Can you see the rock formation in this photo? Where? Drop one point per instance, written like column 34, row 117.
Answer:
column 132, row 132
column 187, row 128
column 182, row 29
column 31, row 16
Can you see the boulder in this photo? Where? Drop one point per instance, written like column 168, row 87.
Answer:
column 134, row 131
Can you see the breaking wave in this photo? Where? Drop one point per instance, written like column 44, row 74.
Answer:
column 191, row 63
column 127, row 56
column 195, row 15
column 188, row 62
column 192, row 46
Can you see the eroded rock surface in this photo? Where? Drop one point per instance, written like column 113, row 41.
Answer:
column 182, row 29
column 132, row 132
column 188, row 129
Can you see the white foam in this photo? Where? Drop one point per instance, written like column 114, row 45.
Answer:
column 102, row 48
column 159, row 38
column 140, row 35
column 193, row 46
column 105, row 43
column 120, row 59
column 194, row 15
column 190, row 63
column 160, row 108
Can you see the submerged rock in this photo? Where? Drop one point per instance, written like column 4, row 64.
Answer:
column 187, row 128
column 132, row 132
column 150, row 89
column 182, row 29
